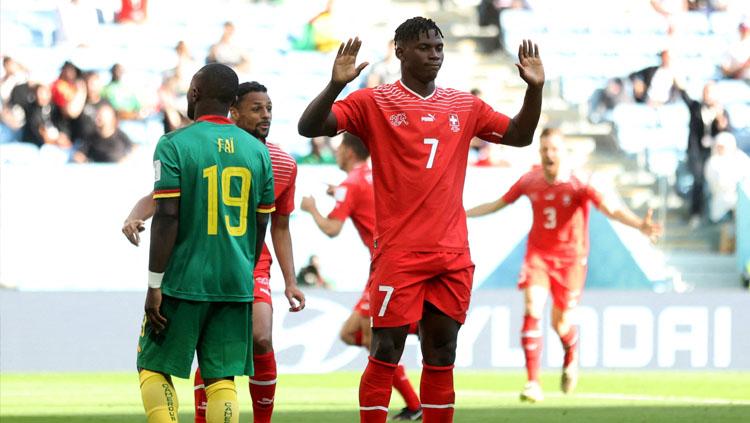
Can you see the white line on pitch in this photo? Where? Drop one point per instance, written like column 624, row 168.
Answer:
column 609, row 396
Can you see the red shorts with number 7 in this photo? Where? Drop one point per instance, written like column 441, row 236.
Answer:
column 401, row 282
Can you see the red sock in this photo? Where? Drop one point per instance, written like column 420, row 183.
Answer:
column 531, row 341
column 438, row 394
column 263, row 387
column 375, row 391
column 199, row 391
column 402, row 384
column 570, row 345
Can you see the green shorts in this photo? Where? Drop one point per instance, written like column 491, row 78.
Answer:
column 221, row 334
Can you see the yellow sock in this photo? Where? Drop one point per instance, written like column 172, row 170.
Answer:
column 222, row 406
column 159, row 397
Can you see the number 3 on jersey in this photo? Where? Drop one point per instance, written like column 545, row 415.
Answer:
column 212, row 173
column 433, row 142
column 551, row 217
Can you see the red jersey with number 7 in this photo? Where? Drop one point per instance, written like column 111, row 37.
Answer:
column 419, row 148
column 561, row 212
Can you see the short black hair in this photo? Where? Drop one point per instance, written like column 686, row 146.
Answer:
column 218, row 82
column 250, row 87
column 412, row 28
column 551, row 130
column 356, row 144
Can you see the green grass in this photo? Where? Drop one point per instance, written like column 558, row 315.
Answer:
column 481, row 397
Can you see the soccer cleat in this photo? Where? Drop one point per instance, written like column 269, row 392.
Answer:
column 408, row 415
column 532, row 393
column 569, row 378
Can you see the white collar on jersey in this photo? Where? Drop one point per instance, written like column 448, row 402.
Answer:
column 402, row 85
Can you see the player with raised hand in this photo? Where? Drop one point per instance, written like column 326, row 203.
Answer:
column 355, row 199
column 213, row 190
column 556, row 253
column 418, row 135
column 253, row 113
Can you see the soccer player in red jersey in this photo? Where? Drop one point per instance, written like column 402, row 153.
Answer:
column 418, row 135
column 253, row 112
column 355, row 198
column 556, row 253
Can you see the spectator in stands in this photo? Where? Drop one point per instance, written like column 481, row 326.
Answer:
column 310, row 275
column 489, row 12
column 85, row 125
column 120, row 96
column 69, row 95
column 227, row 52
column 736, row 64
column 185, row 68
column 604, row 100
column 726, row 167
column 387, row 70
column 108, row 145
column 44, row 121
column 654, row 85
column 171, row 105
column 321, row 152
column 11, row 115
column 78, row 22
column 132, row 11
column 707, row 119
column 14, row 74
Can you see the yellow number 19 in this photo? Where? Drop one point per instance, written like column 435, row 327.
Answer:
column 211, row 173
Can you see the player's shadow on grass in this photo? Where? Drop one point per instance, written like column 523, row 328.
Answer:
column 577, row 412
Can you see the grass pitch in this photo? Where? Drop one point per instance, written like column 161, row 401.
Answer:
column 481, row 397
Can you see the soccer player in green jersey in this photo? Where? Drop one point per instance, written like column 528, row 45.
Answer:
column 213, row 192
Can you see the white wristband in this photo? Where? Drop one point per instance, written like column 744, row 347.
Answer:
column 154, row 279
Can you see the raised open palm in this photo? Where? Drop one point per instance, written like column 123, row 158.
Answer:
column 529, row 64
column 344, row 67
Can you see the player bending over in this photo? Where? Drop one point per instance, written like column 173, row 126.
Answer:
column 418, row 135
column 253, row 113
column 556, row 252
column 355, row 198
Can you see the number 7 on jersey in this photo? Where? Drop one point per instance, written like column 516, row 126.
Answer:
column 433, row 142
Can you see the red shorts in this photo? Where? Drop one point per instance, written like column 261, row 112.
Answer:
column 363, row 305
column 401, row 282
column 563, row 276
column 262, row 288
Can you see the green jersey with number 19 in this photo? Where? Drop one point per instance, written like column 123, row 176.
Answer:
column 222, row 176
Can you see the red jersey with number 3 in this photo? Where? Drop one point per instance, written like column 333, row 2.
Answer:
column 284, row 177
column 561, row 212
column 419, row 147
column 355, row 199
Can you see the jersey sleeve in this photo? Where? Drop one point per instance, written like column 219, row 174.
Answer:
column 345, row 196
column 285, row 200
column 266, row 203
column 491, row 125
column 351, row 112
column 592, row 194
column 516, row 191
column 166, row 170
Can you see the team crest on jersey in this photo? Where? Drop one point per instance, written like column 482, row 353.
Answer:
column 454, row 122
column 398, row 119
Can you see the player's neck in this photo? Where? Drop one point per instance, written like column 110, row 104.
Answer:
column 353, row 165
column 210, row 108
column 422, row 89
column 550, row 177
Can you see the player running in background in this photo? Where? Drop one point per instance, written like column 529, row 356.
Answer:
column 418, row 135
column 253, row 113
column 556, row 253
column 355, row 198
column 213, row 190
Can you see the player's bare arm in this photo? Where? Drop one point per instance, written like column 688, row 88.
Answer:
column 645, row 225
column 317, row 119
column 261, row 223
column 330, row 227
column 282, row 246
column 521, row 129
column 486, row 208
column 163, row 237
column 134, row 223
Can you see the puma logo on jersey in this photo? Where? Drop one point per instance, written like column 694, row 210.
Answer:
column 428, row 118
column 549, row 197
column 398, row 119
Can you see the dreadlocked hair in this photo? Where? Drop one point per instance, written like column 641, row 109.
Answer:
column 412, row 28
